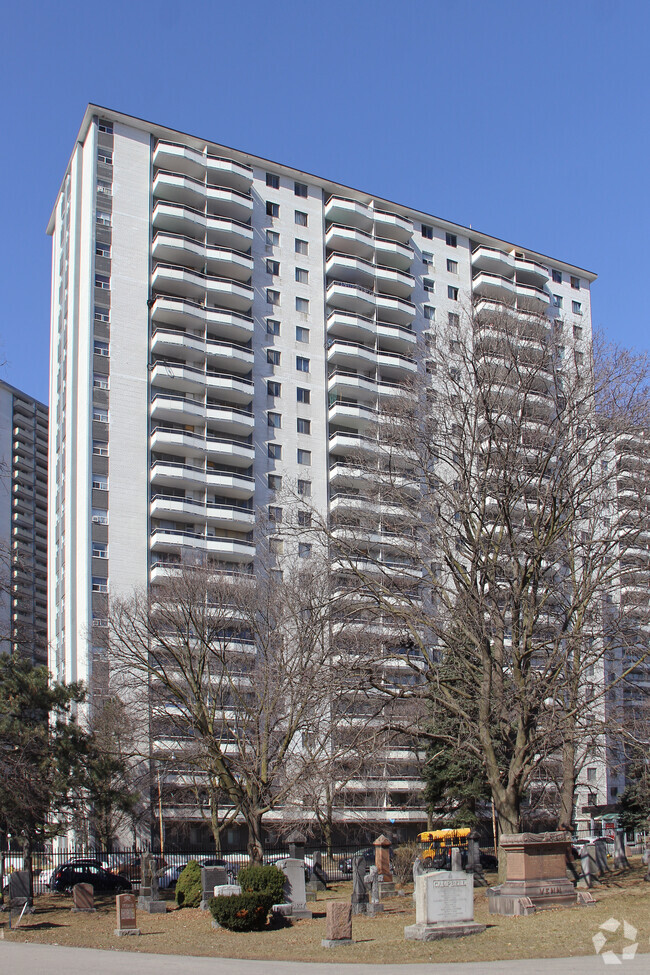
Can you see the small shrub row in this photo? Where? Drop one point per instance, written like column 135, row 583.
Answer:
column 257, row 879
column 241, row 912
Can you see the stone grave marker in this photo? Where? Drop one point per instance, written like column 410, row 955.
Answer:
column 444, row 906
column 126, row 915
column 601, row 856
column 382, row 847
column 359, row 891
column 211, row 877
column 19, row 887
column 295, row 900
column 83, row 898
column 536, row 874
column 339, row 924
column 149, row 899
column 588, row 864
column 317, row 877
column 620, row 856
column 374, row 905
column 474, row 861
column 224, row 890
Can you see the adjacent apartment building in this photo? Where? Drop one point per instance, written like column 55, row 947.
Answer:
column 23, row 524
column 220, row 324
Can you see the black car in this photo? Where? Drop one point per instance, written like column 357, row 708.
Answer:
column 88, row 872
column 367, row 855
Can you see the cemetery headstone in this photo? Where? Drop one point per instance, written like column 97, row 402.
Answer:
column 474, row 861
column 296, row 843
column 359, row 891
column 374, row 905
column 620, row 856
column 126, row 915
column 83, row 898
column 19, row 887
column 456, row 860
column 295, row 900
column 536, row 874
column 211, row 877
column 601, row 856
column 339, row 924
column 149, row 899
column 318, row 877
column 444, row 906
column 382, row 847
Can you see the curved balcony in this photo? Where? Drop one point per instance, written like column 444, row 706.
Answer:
column 531, row 272
column 174, row 375
column 176, row 409
column 398, row 338
column 225, row 262
column 235, row 389
column 177, row 280
column 392, row 365
column 226, row 232
column 178, row 343
column 176, row 474
column 532, row 299
column 226, row 355
column 227, row 172
column 347, row 474
column 351, row 355
column 185, row 313
column 352, row 385
column 169, row 440
column 227, row 202
column 231, row 419
column 173, row 508
column 230, row 516
column 178, row 219
column 228, row 324
column 164, row 539
column 350, row 326
column 391, row 253
column 390, row 308
column 352, row 414
column 179, row 189
column 392, row 281
column 348, row 240
column 494, row 287
column 387, row 389
column 228, row 293
column 351, row 297
column 229, row 484
column 348, row 444
column 174, row 157
column 393, row 226
column 355, row 270
column 350, row 213
column 493, row 261
column 168, row 248
column 232, row 452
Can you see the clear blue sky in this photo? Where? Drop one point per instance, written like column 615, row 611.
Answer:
column 528, row 120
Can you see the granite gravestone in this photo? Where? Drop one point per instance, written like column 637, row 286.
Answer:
column 83, row 898
column 295, row 900
column 382, row 847
column 620, row 856
column 211, row 877
column 149, row 899
column 372, row 882
column 126, row 915
column 444, row 906
column 359, row 891
column 536, row 874
column 339, row 924
column 19, row 887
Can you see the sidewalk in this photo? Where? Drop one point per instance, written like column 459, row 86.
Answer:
column 25, row 959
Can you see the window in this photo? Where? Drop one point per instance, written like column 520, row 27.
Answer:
column 272, row 267
column 576, row 308
column 427, row 231
column 105, row 156
column 103, row 186
column 100, row 448
column 105, row 126
column 102, row 250
column 275, row 451
column 300, row 218
column 272, row 297
column 272, row 237
column 453, row 319
column 452, row 293
column 430, row 313
column 272, row 209
column 575, row 283
column 100, row 348
column 273, row 357
column 300, row 189
column 272, row 326
column 274, row 420
column 102, row 314
column 272, row 388
column 100, row 382
column 100, row 482
column 302, row 305
column 99, row 584
column 103, row 218
column 577, row 332
column 100, row 550
column 303, row 426
column 557, row 301
column 100, row 415
column 304, row 550
column 100, row 516
column 102, row 281
column 591, row 775
column 302, row 364
column 275, row 514
column 451, row 240
column 274, row 482
column 302, row 334
column 427, row 259
column 273, row 181
column 429, row 285
column 452, row 266
column 301, row 246
column 557, row 276
column 303, row 395
column 304, row 519
column 304, row 489
column 302, row 276
column 304, row 456
column 276, row 547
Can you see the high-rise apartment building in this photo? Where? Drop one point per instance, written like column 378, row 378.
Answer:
column 23, row 524
column 223, row 325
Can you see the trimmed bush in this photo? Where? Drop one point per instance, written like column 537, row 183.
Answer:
column 188, row 885
column 241, row 912
column 267, row 880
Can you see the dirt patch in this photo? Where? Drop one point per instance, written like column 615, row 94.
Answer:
column 548, row 934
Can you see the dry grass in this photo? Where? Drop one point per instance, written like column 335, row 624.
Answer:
column 548, row 934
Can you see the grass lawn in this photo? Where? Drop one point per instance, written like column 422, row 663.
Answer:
column 553, row 933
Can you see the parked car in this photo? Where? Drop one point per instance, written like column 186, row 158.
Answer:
column 170, row 875
column 88, row 872
column 130, row 865
column 309, row 867
column 368, row 855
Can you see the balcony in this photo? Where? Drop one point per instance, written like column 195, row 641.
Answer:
column 169, row 310
column 226, row 355
column 177, row 343
column 179, row 189
column 177, row 376
column 178, row 219
column 180, row 281
column 398, row 338
column 350, row 326
column 177, row 475
column 396, row 310
column 232, row 549
column 391, row 253
column 174, row 508
column 173, row 157
column 351, row 354
column 493, row 261
column 531, row 272
column 347, row 240
column 230, row 516
column 352, row 414
column 393, row 226
column 532, row 299
column 350, row 213
column 170, row 440
column 494, row 286
column 351, row 297
column 176, row 409
column 177, row 249
column 224, row 201
column 227, row 172
column 228, row 263
column 228, row 324
column 225, row 232
column 354, row 270
column 393, row 365
column 341, row 474
column 229, row 484
column 235, row 453
column 394, row 282
column 235, row 389
column 349, row 444
column 352, row 385
column 231, row 419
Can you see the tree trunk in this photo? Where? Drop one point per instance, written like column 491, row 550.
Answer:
column 28, row 866
column 507, row 806
column 567, row 788
column 255, row 845
column 214, row 820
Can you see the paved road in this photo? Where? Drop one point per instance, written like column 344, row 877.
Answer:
column 25, row 959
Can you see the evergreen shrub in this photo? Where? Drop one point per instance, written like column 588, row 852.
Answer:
column 241, row 912
column 188, row 885
column 256, row 879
